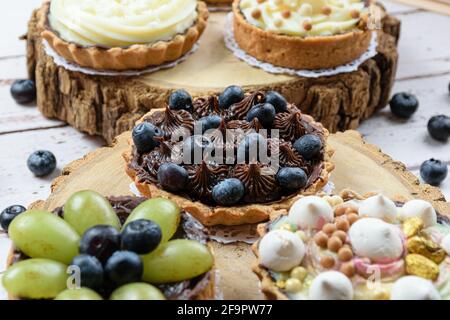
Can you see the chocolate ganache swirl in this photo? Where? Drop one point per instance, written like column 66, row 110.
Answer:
column 291, row 125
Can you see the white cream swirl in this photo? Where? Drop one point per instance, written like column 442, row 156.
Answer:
column 303, row 17
column 115, row 23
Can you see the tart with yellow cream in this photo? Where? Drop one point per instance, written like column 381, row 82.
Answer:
column 355, row 247
column 302, row 34
column 122, row 35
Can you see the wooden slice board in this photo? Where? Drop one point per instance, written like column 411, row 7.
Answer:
column 359, row 166
column 108, row 106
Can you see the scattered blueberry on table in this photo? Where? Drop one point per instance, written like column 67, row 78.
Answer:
column 433, row 171
column 41, row 163
column 23, row 91
column 404, row 105
column 7, row 215
column 439, row 127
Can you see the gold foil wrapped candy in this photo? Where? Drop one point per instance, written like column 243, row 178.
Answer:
column 426, row 248
column 421, row 266
column 412, row 226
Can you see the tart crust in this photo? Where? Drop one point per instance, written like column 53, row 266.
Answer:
column 137, row 56
column 234, row 215
column 268, row 286
column 315, row 52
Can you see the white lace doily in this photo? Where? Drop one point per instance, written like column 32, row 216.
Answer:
column 232, row 45
column 61, row 62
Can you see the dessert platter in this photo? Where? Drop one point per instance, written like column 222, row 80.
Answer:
column 355, row 247
column 105, row 76
column 329, row 229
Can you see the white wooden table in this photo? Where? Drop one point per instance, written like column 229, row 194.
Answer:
column 424, row 70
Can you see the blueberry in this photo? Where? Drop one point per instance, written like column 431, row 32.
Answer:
column 180, row 100
column 196, row 144
column 210, row 122
column 41, row 163
column 439, row 127
column 143, row 135
column 100, row 241
column 265, row 112
column 23, row 91
column 228, row 192
column 124, row 267
column 308, row 146
column 230, row 96
column 172, row 177
column 433, row 172
column 277, row 100
column 141, row 236
column 403, row 105
column 8, row 215
column 251, row 147
column 291, row 178
column 91, row 271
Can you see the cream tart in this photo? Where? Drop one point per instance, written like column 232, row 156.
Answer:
column 306, row 34
column 220, row 187
column 355, row 247
column 177, row 226
column 122, row 35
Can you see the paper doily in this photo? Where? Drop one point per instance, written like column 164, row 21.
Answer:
column 61, row 62
column 232, row 45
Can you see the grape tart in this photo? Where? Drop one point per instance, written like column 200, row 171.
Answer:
column 262, row 193
column 312, row 34
column 202, row 287
column 334, row 251
column 116, row 36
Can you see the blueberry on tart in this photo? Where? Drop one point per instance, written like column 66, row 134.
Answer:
column 310, row 34
column 355, row 247
column 122, row 35
column 118, row 248
column 229, row 159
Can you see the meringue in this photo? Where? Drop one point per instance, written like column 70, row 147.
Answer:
column 375, row 239
column 421, row 209
column 414, row 288
column 379, row 207
column 311, row 212
column 281, row 250
column 445, row 244
column 331, row 285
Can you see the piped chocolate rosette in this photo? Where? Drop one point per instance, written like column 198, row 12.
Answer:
column 117, row 248
column 229, row 183
column 353, row 247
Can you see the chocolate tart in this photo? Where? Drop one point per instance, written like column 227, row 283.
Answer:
column 262, row 196
column 300, row 52
column 200, row 288
column 274, row 289
column 134, row 57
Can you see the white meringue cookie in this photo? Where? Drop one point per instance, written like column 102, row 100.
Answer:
column 445, row 244
column 421, row 209
column 311, row 212
column 375, row 239
column 379, row 207
column 414, row 288
column 331, row 285
column 281, row 250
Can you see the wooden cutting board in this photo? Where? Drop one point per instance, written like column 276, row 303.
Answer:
column 359, row 166
column 108, row 106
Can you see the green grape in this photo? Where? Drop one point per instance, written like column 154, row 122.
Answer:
column 176, row 260
column 35, row 279
column 137, row 291
column 41, row 234
column 78, row 294
column 86, row 209
column 164, row 212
